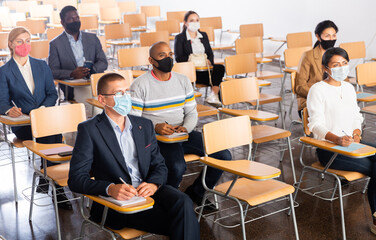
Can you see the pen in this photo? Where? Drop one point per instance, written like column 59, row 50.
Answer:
column 170, row 128
column 345, row 134
column 126, row 184
column 14, row 104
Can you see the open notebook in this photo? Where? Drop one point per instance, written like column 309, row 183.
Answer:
column 124, row 203
column 173, row 138
column 23, row 117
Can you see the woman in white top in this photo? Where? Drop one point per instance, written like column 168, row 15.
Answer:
column 192, row 40
column 334, row 115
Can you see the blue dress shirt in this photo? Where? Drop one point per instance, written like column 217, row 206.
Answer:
column 77, row 49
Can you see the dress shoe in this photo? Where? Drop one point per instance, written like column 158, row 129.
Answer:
column 43, row 185
column 62, row 200
column 209, row 206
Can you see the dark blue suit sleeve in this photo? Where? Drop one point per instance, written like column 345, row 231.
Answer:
column 100, row 64
column 80, row 166
column 4, row 93
column 157, row 170
column 51, row 93
column 54, row 63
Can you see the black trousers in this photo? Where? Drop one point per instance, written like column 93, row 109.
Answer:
column 172, row 215
column 173, row 154
column 70, row 92
column 216, row 75
column 24, row 133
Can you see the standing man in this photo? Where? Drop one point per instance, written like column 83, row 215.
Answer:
column 113, row 145
column 70, row 50
column 167, row 99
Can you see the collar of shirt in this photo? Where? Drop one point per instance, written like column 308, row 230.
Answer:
column 128, row 124
column 153, row 74
column 71, row 38
column 27, row 64
column 199, row 35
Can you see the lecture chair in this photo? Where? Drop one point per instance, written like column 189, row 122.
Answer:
column 116, row 35
column 134, row 57
column 127, row 7
column 89, row 23
column 300, row 39
column 356, row 51
column 176, row 15
column 40, row 49
column 246, row 63
column 53, row 32
column 109, row 15
column 147, row 39
column 151, row 11
column 246, row 91
column 329, row 193
column 41, row 127
column 172, row 26
column 42, row 11
column 210, row 32
column 90, row 8
column 366, row 76
column 252, row 185
column 37, row 27
column 293, row 98
column 214, row 22
column 136, row 21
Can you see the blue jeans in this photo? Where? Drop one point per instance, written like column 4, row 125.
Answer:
column 173, row 154
column 366, row 165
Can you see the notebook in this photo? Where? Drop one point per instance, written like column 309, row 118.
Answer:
column 77, row 80
column 53, row 151
column 350, row 148
column 363, row 95
column 173, row 138
column 21, row 118
column 123, row 203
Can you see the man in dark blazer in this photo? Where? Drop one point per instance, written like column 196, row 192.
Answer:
column 72, row 48
column 115, row 145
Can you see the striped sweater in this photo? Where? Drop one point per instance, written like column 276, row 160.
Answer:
column 169, row 101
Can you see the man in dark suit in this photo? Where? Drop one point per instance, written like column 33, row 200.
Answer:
column 113, row 145
column 70, row 50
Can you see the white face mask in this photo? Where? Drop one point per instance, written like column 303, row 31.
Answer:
column 193, row 26
column 340, row 73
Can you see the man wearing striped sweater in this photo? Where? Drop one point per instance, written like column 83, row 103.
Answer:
column 167, row 99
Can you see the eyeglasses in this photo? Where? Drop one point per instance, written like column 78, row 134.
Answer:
column 119, row 94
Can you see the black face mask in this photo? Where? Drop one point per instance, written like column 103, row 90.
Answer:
column 165, row 64
column 326, row 44
column 73, row 27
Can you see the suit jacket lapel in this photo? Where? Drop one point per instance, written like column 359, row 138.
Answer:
column 68, row 48
column 318, row 59
column 36, row 72
column 188, row 44
column 18, row 76
column 138, row 138
column 85, row 45
column 109, row 138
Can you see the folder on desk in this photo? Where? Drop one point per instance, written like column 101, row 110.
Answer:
column 54, row 151
column 124, row 203
column 352, row 147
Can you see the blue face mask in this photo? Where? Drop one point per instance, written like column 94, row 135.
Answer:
column 123, row 104
column 340, row 73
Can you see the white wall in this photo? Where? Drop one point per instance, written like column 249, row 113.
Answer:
column 356, row 19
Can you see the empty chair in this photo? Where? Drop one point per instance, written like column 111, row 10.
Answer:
column 89, row 23
column 151, row 11
column 136, row 21
column 40, row 49
column 127, row 6
column 172, row 26
column 149, row 38
column 300, row 39
column 53, row 32
column 109, row 15
column 251, row 30
column 178, row 16
column 117, row 35
column 134, row 57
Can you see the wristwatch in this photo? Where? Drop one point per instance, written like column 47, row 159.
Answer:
column 355, row 134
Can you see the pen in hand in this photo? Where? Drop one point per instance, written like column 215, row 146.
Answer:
column 126, row 184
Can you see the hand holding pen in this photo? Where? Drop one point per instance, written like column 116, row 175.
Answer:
column 14, row 111
column 345, row 140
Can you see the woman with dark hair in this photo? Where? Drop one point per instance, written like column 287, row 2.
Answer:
column 192, row 40
column 334, row 115
column 310, row 70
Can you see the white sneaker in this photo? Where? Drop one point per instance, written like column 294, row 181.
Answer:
column 213, row 99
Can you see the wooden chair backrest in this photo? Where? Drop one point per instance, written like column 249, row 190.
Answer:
column 214, row 22
column 135, row 20
column 89, row 22
column 132, row 57
column 186, row 68
column 226, row 133
column 107, row 3
column 110, row 13
column 172, row 26
column 300, row 39
column 127, row 6
column 151, row 11
column 117, row 31
column 307, row 132
column 178, row 15
column 4, row 40
column 293, row 78
column 249, row 45
column 355, row 50
column 56, row 120
column 40, row 49
column 293, row 55
column 239, row 90
column 91, row 8
column 209, row 31
column 94, row 78
column 366, row 74
column 102, row 39
column 61, row 4
column 251, row 30
column 34, row 26
column 53, row 32
column 241, row 64
column 147, row 39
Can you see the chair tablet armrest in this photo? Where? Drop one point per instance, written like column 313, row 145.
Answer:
column 36, row 147
column 137, row 207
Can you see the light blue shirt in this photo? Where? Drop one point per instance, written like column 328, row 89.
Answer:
column 77, row 48
column 128, row 149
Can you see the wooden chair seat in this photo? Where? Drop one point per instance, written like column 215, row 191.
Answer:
column 36, row 147
column 266, row 98
column 268, row 75
column 94, row 102
column 119, row 43
column 254, row 115
column 4, row 53
column 109, row 21
column 243, row 168
column 272, row 56
column 137, row 73
column 348, row 175
column 191, row 157
column 289, row 70
column 129, row 233
column 16, row 142
column 204, row 110
column 59, row 173
column 222, row 47
column 263, row 60
column 256, row 192
column 265, row 133
column 369, row 109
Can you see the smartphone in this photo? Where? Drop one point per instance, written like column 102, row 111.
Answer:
column 89, row 65
column 64, row 154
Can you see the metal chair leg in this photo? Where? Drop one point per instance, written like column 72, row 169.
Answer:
column 291, row 159
column 292, row 209
column 341, row 209
column 254, row 152
column 14, row 173
column 56, row 210
column 202, row 206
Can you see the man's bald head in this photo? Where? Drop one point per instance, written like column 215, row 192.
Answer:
column 156, row 48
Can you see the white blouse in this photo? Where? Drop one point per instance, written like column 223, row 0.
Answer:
column 333, row 109
column 27, row 74
column 197, row 46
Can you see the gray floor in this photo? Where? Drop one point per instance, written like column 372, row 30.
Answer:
column 317, row 219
